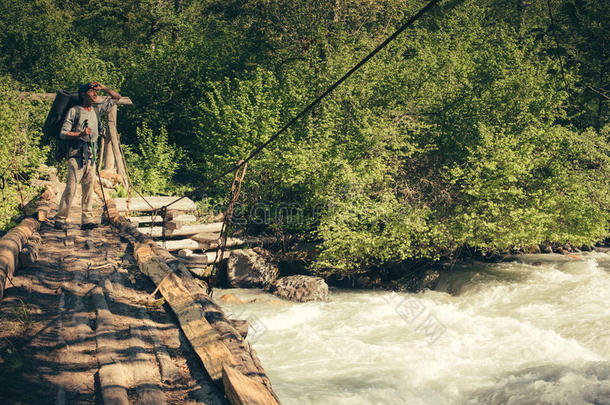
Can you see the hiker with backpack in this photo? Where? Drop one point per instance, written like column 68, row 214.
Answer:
column 81, row 129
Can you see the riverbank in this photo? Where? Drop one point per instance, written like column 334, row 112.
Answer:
column 406, row 276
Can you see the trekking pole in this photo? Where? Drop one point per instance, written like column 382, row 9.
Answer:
column 99, row 177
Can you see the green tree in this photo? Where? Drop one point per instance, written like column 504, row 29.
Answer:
column 20, row 156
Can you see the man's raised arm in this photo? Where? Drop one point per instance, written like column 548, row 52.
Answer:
column 99, row 86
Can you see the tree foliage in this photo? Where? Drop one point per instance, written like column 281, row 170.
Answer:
column 20, row 155
column 484, row 126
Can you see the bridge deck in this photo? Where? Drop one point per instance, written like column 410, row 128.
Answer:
column 84, row 329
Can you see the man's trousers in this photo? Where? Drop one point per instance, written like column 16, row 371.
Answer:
column 85, row 174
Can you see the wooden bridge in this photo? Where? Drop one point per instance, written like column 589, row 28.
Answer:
column 110, row 316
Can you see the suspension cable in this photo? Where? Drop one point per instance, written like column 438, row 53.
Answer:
column 329, row 90
column 240, row 173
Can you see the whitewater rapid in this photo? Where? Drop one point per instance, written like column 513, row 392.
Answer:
column 532, row 331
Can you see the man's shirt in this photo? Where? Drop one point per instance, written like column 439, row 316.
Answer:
column 88, row 117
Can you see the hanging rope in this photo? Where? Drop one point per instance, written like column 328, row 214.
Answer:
column 18, row 182
column 153, row 211
column 240, row 173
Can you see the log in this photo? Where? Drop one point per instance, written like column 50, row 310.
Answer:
column 185, row 252
column 244, row 358
column 199, row 272
column 138, row 203
column 51, row 96
column 11, row 245
column 147, row 219
column 173, row 245
column 205, row 340
column 185, row 230
column 143, row 364
column 248, row 362
column 209, row 241
column 169, row 371
column 241, row 325
column 241, row 390
column 114, row 145
column 174, row 214
column 29, row 253
column 113, row 177
column 43, row 205
column 173, row 225
column 200, row 258
column 193, row 258
column 112, row 373
column 39, row 206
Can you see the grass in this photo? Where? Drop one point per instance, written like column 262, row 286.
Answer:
column 17, row 319
column 15, row 322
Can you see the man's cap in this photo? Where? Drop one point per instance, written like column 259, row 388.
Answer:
column 83, row 88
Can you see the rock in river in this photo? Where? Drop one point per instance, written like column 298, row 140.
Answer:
column 248, row 269
column 301, row 288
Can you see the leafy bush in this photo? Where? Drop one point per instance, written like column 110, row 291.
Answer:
column 454, row 143
column 20, row 153
column 152, row 169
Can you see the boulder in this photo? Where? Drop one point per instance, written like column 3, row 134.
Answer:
column 420, row 280
column 301, row 288
column 534, row 249
column 248, row 269
column 364, row 282
column 231, row 299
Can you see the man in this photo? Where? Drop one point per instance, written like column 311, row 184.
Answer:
column 81, row 129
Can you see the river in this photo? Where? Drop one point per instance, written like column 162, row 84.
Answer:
column 532, row 331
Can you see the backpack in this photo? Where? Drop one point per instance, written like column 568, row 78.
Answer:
column 51, row 129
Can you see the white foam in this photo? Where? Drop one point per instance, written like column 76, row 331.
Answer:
column 534, row 332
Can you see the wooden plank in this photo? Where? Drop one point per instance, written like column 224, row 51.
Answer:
column 207, row 237
column 241, row 390
column 169, row 372
column 173, row 225
column 51, row 96
column 194, row 258
column 173, row 245
column 209, row 240
column 143, row 364
column 185, row 230
column 147, row 219
column 112, row 373
column 204, row 339
column 138, row 204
